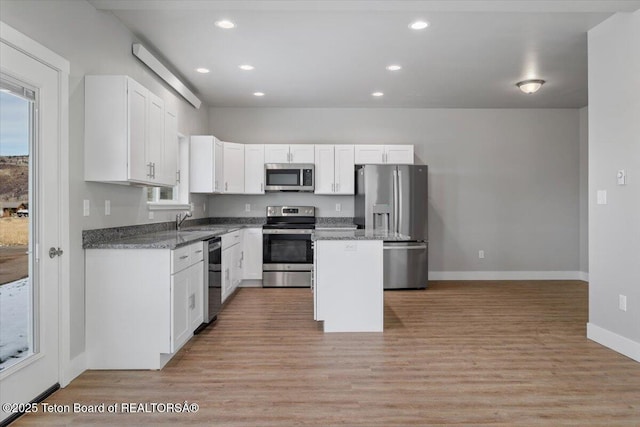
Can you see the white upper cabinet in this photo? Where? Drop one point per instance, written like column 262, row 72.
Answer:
column 289, row 153
column 383, row 154
column 233, row 170
column 206, row 164
column 124, row 133
column 254, row 169
column 170, row 153
column 334, row 170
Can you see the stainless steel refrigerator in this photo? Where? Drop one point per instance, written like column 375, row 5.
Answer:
column 394, row 198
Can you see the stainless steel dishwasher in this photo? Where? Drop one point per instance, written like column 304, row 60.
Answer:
column 213, row 282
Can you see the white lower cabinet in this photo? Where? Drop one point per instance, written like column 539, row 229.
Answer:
column 142, row 305
column 252, row 254
column 232, row 259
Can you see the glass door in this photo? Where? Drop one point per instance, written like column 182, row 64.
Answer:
column 17, row 280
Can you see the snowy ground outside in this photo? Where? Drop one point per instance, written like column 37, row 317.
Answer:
column 14, row 321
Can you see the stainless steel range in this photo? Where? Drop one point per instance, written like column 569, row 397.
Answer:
column 287, row 253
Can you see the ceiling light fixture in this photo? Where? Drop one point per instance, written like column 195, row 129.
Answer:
column 258, row 93
column 246, row 67
column 394, row 67
column 225, row 24
column 377, row 94
column 530, row 86
column 418, row 25
column 202, row 70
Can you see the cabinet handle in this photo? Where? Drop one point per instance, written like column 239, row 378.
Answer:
column 333, row 187
column 337, row 187
column 184, row 257
column 178, row 177
column 154, row 170
column 149, row 173
column 199, row 251
column 226, row 186
column 215, row 185
column 261, row 187
column 192, row 301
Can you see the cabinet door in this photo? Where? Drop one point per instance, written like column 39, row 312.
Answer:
column 236, row 272
column 227, row 263
column 155, row 142
column 201, row 164
column 344, row 169
column 252, row 248
column 399, row 154
column 324, row 173
column 369, row 154
column 276, row 153
column 170, row 149
column 196, row 293
column 301, row 153
column 180, row 325
column 233, row 168
column 218, row 165
column 254, row 169
column 137, row 99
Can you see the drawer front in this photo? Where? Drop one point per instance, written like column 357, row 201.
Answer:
column 231, row 239
column 196, row 252
column 180, row 259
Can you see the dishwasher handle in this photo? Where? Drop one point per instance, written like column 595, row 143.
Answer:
column 412, row 246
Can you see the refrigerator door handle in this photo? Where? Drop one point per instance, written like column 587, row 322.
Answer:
column 395, row 201
column 399, row 220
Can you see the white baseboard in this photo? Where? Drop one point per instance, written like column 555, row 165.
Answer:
column 506, row 275
column 584, row 276
column 615, row 342
column 74, row 368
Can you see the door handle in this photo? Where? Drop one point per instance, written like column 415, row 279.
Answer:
column 54, row 252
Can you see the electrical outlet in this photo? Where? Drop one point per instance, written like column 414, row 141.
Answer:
column 150, row 214
column 481, row 254
column 601, row 197
column 622, row 302
column 338, row 207
column 204, row 207
column 247, row 207
column 107, row 207
column 86, row 207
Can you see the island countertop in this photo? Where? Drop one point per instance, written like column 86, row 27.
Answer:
column 360, row 234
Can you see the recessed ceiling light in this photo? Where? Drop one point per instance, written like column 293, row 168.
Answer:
column 394, row 67
column 202, row 70
column 225, row 24
column 419, row 25
column 258, row 93
column 377, row 94
column 246, row 67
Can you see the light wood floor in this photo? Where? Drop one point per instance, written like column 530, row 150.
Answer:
column 459, row 353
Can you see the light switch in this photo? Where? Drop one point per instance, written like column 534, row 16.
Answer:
column 86, row 207
column 247, row 207
column 150, row 214
column 622, row 177
column 601, row 197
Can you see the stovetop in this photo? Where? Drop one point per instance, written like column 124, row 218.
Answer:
column 288, row 225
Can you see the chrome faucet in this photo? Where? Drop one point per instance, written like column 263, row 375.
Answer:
column 180, row 220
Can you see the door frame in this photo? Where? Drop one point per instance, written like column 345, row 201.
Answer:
column 12, row 37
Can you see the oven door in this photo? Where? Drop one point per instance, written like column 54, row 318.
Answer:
column 287, row 258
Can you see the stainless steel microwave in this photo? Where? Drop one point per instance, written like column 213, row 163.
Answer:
column 289, row 176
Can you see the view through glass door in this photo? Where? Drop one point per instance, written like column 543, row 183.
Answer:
column 17, row 296
column 30, row 194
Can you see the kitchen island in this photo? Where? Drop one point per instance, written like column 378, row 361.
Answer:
column 348, row 279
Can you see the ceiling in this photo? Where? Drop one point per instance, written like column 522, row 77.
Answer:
column 330, row 53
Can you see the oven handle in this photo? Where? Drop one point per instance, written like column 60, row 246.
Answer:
column 290, row 231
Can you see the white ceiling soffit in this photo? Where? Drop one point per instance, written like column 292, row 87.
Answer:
column 547, row 6
column 335, row 53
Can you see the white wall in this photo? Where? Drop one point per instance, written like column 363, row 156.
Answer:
column 584, row 193
column 504, row 181
column 614, row 143
column 95, row 43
